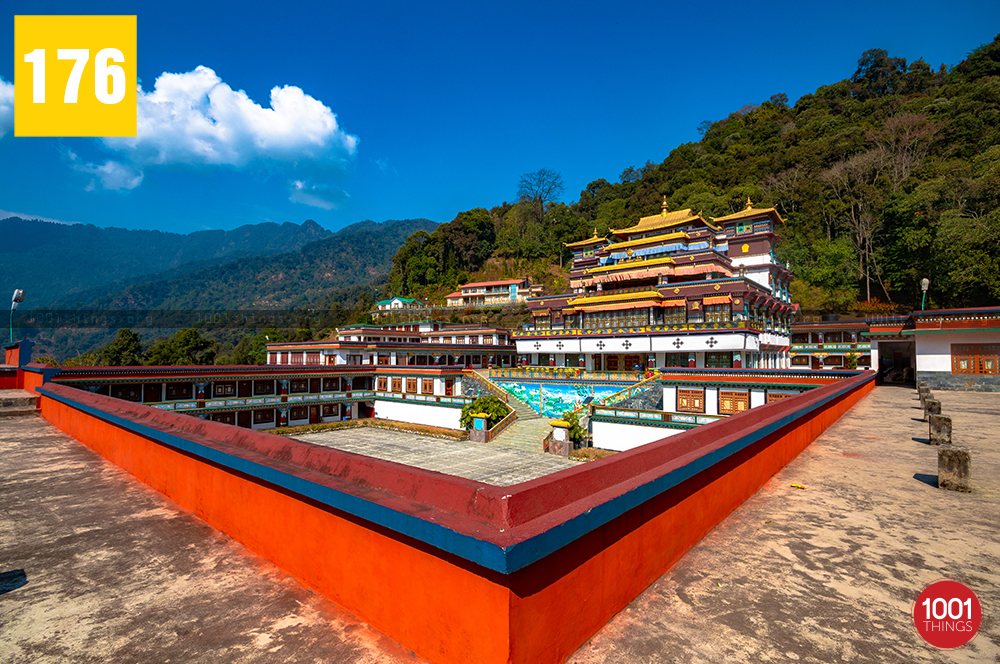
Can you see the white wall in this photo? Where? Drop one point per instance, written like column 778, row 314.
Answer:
column 417, row 413
column 934, row 350
column 670, row 398
column 621, row 437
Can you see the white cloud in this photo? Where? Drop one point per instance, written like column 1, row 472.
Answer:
column 196, row 118
column 321, row 196
column 112, row 174
column 6, row 107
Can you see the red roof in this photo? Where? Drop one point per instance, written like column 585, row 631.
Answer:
column 455, row 294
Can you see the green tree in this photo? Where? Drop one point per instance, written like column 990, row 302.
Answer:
column 495, row 410
column 125, row 350
column 186, row 347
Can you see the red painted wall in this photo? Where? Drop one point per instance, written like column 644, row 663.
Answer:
column 430, row 602
column 443, row 607
column 558, row 603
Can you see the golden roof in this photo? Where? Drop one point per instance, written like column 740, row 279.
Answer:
column 589, row 240
column 595, row 299
column 635, row 265
column 664, row 220
column 646, row 240
column 750, row 211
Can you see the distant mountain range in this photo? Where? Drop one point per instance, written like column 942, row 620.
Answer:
column 354, row 256
column 52, row 261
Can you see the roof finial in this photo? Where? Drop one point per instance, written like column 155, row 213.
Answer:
column 663, row 208
column 749, row 204
column 595, row 231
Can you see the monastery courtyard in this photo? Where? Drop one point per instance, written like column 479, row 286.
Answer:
column 95, row 566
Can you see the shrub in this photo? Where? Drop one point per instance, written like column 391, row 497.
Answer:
column 495, row 410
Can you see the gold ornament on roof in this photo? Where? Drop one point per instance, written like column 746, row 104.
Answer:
column 749, row 204
column 663, row 208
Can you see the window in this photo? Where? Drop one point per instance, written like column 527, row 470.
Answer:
column 542, row 323
column 397, row 384
column 474, row 339
column 411, row 385
column 973, row 359
column 690, row 401
column 732, row 402
column 224, row 389
column 382, row 384
column 179, row 391
column 675, row 316
column 777, row 396
column 427, row 386
column 263, row 416
column 487, row 340
column 718, row 360
column 298, row 386
column 263, row 387
column 329, row 409
column 717, row 313
column 298, row 413
column 677, row 359
column 127, row 392
column 329, row 384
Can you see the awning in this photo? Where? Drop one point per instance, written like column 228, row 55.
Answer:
column 673, row 303
column 717, row 299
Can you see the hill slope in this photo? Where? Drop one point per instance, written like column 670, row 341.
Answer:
column 357, row 255
column 51, row 261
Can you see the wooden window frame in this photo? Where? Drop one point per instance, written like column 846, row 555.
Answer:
column 696, row 394
column 981, row 359
column 738, row 397
column 427, row 386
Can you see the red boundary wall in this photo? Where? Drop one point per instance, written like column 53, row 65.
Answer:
column 457, row 570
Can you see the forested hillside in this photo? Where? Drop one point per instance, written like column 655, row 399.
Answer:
column 884, row 178
column 53, row 261
column 355, row 256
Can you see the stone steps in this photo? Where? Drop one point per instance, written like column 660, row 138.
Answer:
column 17, row 403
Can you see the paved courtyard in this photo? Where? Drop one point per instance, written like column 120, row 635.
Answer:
column 488, row 463
column 96, row 567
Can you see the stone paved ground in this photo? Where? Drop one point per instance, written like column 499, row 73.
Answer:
column 828, row 574
column 116, row 573
column 499, row 465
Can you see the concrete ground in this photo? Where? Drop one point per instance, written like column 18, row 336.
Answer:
column 114, row 572
column 97, row 567
column 491, row 463
column 829, row 573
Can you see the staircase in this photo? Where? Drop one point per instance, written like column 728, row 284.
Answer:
column 17, row 403
column 528, row 430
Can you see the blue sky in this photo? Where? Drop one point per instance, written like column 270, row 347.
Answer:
column 392, row 110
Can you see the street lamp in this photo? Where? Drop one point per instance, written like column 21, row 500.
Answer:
column 925, row 283
column 14, row 301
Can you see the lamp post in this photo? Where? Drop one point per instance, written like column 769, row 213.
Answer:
column 925, row 284
column 14, row 301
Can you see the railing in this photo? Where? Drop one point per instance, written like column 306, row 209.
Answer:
column 652, row 417
column 502, row 425
column 485, row 384
column 270, row 400
column 630, row 390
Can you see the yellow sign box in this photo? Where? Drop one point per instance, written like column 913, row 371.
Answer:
column 75, row 76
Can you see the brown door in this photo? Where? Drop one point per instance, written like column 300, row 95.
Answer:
column 243, row 419
column 313, row 414
column 244, row 390
column 314, row 385
column 448, row 387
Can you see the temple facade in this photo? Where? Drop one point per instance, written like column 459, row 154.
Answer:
column 674, row 290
